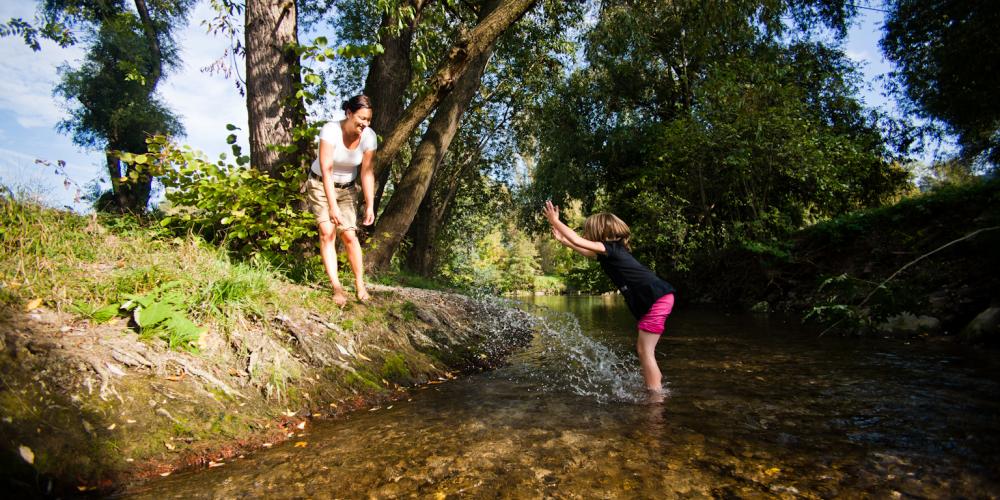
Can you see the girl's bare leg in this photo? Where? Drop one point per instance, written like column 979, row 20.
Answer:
column 354, row 257
column 646, row 348
column 328, row 251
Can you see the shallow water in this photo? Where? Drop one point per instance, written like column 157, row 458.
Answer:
column 756, row 407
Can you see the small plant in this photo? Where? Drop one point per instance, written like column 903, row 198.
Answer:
column 163, row 313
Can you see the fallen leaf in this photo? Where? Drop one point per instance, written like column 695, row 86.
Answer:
column 290, row 413
column 33, row 304
column 267, row 445
column 302, row 425
column 169, row 446
column 772, row 471
column 130, row 421
column 112, row 427
column 333, row 405
column 215, row 464
column 26, row 454
column 165, row 474
column 362, row 356
column 301, row 444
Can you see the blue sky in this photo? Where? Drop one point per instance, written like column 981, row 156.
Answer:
column 206, row 103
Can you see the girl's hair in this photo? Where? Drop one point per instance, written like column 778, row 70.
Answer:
column 604, row 226
column 355, row 103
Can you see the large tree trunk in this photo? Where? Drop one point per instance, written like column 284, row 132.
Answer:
column 432, row 214
column 273, row 73
column 388, row 77
column 410, row 192
column 467, row 48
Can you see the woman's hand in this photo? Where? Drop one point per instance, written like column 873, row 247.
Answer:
column 369, row 216
column 335, row 216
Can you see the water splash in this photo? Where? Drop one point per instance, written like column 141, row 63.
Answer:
column 562, row 358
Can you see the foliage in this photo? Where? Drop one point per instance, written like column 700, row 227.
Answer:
column 703, row 134
column 51, row 30
column 113, row 104
column 946, row 59
column 231, row 204
column 162, row 312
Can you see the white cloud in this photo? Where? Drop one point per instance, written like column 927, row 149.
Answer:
column 29, row 78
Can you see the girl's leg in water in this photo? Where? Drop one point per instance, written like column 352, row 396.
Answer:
column 646, row 348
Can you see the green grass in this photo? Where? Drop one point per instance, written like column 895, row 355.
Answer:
column 90, row 265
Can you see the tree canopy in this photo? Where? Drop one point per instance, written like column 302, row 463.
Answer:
column 947, row 61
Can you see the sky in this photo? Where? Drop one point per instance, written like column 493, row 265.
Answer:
column 29, row 113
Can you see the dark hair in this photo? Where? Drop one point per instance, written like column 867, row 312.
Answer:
column 355, row 103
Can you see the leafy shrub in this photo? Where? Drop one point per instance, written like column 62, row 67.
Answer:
column 231, row 203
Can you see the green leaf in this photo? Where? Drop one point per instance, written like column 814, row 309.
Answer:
column 156, row 312
column 230, row 127
column 105, row 313
column 231, row 139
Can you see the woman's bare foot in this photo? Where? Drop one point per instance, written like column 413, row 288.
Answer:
column 363, row 293
column 339, row 297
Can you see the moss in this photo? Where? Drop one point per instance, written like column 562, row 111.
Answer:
column 363, row 379
column 394, row 368
column 408, row 310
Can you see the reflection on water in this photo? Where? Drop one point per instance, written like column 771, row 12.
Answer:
column 757, row 408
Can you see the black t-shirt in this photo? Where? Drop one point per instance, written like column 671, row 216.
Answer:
column 639, row 285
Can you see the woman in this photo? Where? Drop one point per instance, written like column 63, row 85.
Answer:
column 346, row 150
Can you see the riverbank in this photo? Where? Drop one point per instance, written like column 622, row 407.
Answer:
column 125, row 354
column 924, row 266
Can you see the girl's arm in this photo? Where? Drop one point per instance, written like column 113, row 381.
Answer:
column 568, row 237
column 582, row 251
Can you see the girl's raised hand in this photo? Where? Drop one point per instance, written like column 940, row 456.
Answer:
column 551, row 211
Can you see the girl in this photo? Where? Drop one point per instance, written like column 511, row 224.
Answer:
column 605, row 237
column 346, row 152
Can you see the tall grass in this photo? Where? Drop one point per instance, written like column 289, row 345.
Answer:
column 87, row 264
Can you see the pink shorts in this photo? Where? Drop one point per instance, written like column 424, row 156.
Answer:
column 654, row 320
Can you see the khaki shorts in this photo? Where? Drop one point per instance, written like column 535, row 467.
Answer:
column 347, row 201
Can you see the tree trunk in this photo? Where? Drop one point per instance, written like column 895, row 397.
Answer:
column 412, row 188
column 388, row 77
column 421, row 257
column 433, row 212
column 467, row 48
column 126, row 196
column 273, row 75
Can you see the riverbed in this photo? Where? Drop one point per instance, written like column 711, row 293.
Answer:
column 755, row 406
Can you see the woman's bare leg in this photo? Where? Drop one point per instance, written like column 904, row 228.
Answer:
column 354, row 256
column 328, row 251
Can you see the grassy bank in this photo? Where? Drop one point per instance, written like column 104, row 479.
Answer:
column 127, row 352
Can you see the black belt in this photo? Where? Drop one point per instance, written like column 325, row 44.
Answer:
column 338, row 185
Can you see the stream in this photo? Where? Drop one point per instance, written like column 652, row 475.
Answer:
column 756, row 406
